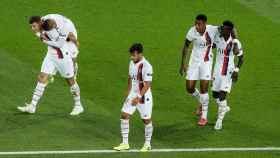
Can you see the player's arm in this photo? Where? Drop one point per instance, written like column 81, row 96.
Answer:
column 183, row 67
column 71, row 37
column 128, row 85
column 147, row 85
column 147, row 77
column 240, row 57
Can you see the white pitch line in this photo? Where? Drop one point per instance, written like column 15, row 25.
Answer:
column 135, row 151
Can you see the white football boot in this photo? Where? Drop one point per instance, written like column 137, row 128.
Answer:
column 28, row 108
column 77, row 110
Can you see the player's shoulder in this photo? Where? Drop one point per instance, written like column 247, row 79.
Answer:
column 237, row 41
column 191, row 29
column 147, row 64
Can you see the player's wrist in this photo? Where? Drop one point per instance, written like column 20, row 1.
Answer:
column 139, row 96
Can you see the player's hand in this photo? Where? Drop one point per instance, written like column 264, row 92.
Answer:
column 234, row 76
column 183, row 69
column 135, row 101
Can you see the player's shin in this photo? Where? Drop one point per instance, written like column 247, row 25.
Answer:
column 196, row 94
column 204, row 100
column 223, row 109
column 78, row 108
column 75, row 90
column 124, row 130
column 38, row 93
column 148, row 133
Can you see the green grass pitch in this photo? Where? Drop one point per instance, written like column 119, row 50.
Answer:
column 106, row 30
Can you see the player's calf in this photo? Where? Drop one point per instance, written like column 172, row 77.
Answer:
column 148, row 134
column 75, row 90
column 124, row 124
column 223, row 108
column 37, row 94
column 204, row 100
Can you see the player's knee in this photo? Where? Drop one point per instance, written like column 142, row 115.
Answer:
column 190, row 89
column 215, row 94
column 146, row 121
column 124, row 116
column 71, row 81
column 222, row 96
column 42, row 78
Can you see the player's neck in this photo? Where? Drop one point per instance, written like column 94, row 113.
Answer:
column 140, row 59
column 226, row 37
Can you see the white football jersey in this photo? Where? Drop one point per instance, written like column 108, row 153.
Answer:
column 225, row 54
column 53, row 35
column 202, row 44
column 140, row 72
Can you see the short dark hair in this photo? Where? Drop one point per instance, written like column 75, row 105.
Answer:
column 202, row 17
column 46, row 25
column 228, row 23
column 33, row 19
column 138, row 47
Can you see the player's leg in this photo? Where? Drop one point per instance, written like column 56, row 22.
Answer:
column 191, row 78
column 37, row 94
column 222, row 110
column 190, row 87
column 148, row 135
column 215, row 95
column 46, row 69
column 75, row 90
column 205, row 70
column 127, row 111
column 145, row 111
column 225, row 87
column 204, row 100
column 66, row 69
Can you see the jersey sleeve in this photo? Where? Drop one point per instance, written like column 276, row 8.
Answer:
column 148, row 73
column 239, row 47
column 190, row 34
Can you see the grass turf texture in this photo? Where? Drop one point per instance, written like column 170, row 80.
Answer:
column 106, row 30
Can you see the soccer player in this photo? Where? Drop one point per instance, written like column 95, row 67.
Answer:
column 200, row 63
column 225, row 70
column 139, row 97
column 59, row 59
column 66, row 29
